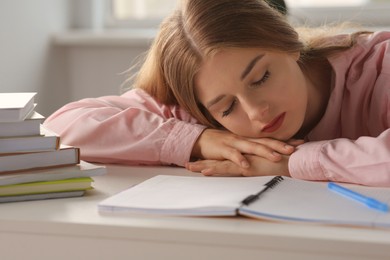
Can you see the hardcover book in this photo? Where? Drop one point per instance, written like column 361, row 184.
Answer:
column 16, row 106
column 42, row 196
column 83, row 169
column 75, row 184
column 66, row 155
column 28, row 127
column 46, row 141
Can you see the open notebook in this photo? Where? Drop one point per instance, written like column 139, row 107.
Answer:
column 289, row 200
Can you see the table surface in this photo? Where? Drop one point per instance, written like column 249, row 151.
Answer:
column 73, row 227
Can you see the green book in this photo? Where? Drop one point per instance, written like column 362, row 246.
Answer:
column 75, row 184
column 42, row 196
column 81, row 170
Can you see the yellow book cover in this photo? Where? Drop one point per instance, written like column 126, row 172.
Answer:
column 74, row 184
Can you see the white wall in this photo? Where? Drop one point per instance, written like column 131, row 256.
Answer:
column 31, row 59
column 28, row 61
column 99, row 70
column 97, row 61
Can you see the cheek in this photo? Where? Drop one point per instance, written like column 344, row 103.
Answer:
column 238, row 125
column 295, row 84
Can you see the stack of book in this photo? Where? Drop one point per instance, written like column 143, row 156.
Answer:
column 33, row 162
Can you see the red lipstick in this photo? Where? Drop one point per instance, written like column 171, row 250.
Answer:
column 274, row 124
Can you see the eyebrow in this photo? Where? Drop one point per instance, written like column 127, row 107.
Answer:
column 214, row 101
column 250, row 66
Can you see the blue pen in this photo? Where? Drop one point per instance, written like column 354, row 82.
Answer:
column 370, row 202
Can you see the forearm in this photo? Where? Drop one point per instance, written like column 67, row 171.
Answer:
column 362, row 161
column 132, row 130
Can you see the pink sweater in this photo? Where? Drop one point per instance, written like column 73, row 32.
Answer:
column 356, row 123
column 350, row 144
column 128, row 129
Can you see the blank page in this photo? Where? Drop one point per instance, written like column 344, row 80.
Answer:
column 298, row 200
column 180, row 195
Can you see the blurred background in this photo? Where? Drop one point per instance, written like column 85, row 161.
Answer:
column 67, row 50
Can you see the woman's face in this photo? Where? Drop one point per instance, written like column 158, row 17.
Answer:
column 254, row 92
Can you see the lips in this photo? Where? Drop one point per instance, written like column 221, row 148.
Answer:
column 274, row 124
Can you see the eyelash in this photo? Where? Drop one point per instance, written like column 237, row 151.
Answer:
column 230, row 109
column 266, row 76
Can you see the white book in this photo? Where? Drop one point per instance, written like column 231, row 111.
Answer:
column 83, row 169
column 16, row 106
column 46, row 141
column 66, row 155
column 27, row 127
column 290, row 200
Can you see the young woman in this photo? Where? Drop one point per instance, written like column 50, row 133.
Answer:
column 237, row 65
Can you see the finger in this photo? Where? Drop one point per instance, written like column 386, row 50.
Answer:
column 223, row 168
column 200, row 165
column 259, row 149
column 295, row 142
column 275, row 145
column 215, row 173
column 235, row 156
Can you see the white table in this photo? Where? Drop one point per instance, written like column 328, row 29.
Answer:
column 73, row 229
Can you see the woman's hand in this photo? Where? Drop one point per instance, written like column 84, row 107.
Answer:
column 258, row 167
column 222, row 145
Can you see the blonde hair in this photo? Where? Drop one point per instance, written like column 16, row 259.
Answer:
column 199, row 28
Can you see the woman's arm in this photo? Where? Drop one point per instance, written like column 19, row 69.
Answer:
column 128, row 129
column 135, row 129
column 363, row 161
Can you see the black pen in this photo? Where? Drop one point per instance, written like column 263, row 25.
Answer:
column 269, row 185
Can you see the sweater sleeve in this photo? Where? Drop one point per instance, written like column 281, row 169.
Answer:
column 351, row 143
column 129, row 129
column 363, row 161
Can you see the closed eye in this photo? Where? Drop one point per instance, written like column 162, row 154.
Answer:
column 260, row 82
column 230, row 109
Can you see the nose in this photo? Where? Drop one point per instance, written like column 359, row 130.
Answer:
column 257, row 111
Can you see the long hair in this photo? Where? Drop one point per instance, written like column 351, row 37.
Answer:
column 199, row 28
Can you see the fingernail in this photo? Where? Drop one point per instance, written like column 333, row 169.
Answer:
column 205, row 172
column 275, row 154
column 288, row 147
column 244, row 164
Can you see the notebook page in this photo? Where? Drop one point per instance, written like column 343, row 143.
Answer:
column 298, row 200
column 180, row 195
